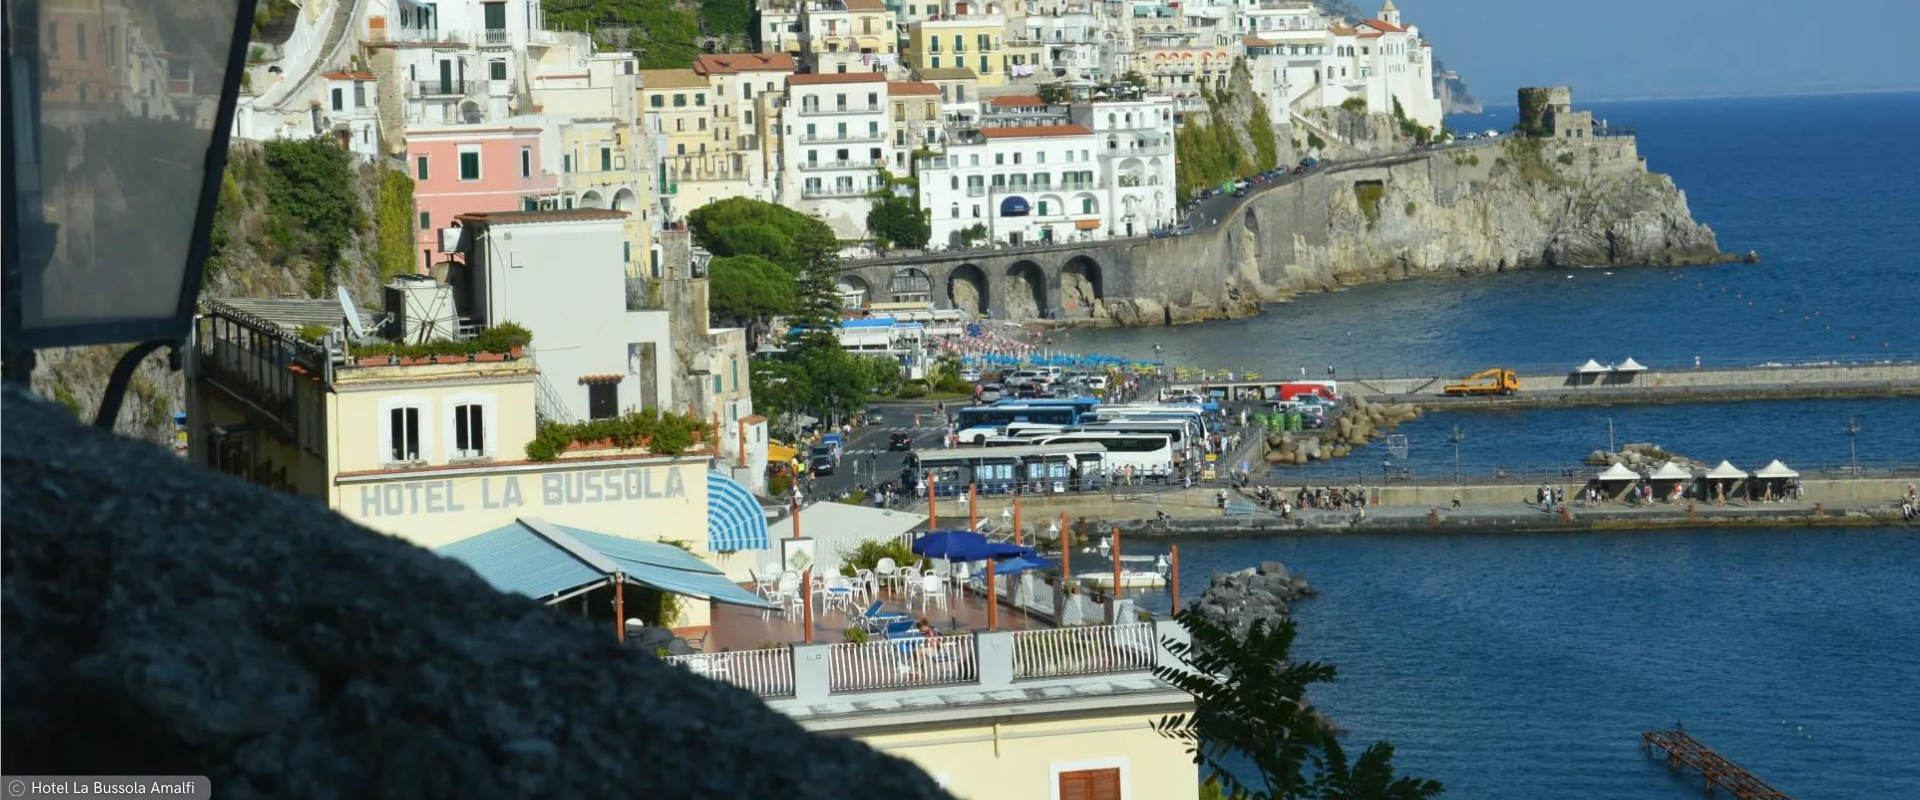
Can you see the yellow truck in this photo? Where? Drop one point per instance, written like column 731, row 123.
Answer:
column 1487, row 382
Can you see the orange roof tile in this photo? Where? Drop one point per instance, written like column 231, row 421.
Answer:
column 1379, row 25
column 1035, row 131
column 1017, row 101
column 866, row 5
column 897, row 88
column 1373, row 35
column 1255, row 41
column 821, row 78
column 348, row 76
column 728, row 64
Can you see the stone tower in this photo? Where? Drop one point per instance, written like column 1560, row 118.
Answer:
column 1390, row 15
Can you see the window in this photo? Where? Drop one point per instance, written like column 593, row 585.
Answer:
column 1086, row 205
column 359, row 94
column 716, row 384
column 873, row 100
column 657, row 101
column 469, row 431
column 700, row 98
column 935, row 62
column 1090, row 784
column 984, row 69
column 679, row 101
column 80, row 38
column 603, row 400
column 497, row 70
column 998, row 159
column 526, row 162
column 606, row 159
column 566, row 162
column 703, row 123
column 746, row 90
column 339, row 102
column 403, row 434
column 873, row 130
column 626, row 252
column 470, row 165
column 426, row 222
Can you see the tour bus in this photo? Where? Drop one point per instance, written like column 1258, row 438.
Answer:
column 976, row 423
column 1196, row 421
column 1026, row 469
column 1024, row 430
column 1146, row 454
column 1080, row 405
column 1179, row 435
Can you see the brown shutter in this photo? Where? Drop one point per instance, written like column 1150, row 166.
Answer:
column 1092, row 784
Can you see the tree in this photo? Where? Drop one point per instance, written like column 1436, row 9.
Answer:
column 1135, row 79
column 1370, row 778
column 310, row 192
column 749, row 289
column 973, row 235
column 896, row 221
column 739, row 226
column 394, row 224
column 1052, row 93
column 1249, row 699
column 1250, row 704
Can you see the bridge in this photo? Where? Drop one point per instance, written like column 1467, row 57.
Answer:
column 1685, row 752
column 1070, row 279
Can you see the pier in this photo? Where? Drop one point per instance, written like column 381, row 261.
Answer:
column 1685, row 752
column 1766, row 381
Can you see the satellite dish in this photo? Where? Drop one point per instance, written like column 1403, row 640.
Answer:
column 352, row 313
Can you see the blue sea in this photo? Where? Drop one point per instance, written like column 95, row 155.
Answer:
column 1524, row 667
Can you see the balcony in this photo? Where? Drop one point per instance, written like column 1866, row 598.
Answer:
column 429, row 35
column 856, row 163
column 873, row 136
column 432, row 89
column 835, row 191
column 495, row 37
column 815, row 111
column 978, row 662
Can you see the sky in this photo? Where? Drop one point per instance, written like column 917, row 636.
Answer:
column 1626, row 49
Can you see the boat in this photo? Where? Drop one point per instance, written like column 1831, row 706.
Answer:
column 1153, row 576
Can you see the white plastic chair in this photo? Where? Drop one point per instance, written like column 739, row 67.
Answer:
column 839, row 594
column 866, row 586
column 933, row 588
column 885, row 571
column 957, row 579
column 789, row 594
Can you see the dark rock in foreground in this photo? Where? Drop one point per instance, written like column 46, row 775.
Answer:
column 160, row 619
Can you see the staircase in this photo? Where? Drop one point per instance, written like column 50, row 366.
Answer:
column 344, row 13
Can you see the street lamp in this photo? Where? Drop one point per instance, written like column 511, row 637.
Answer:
column 108, row 204
column 1456, row 436
column 1853, row 449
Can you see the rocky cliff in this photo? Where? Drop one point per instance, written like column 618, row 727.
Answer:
column 1517, row 204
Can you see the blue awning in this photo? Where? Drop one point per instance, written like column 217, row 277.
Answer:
column 1014, row 207
column 548, row 562
column 735, row 520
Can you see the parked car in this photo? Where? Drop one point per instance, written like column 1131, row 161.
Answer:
column 1158, row 233
column 970, row 375
column 1097, row 383
column 900, row 441
column 990, row 392
column 875, row 417
column 1240, row 192
column 1309, row 162
column 1183, row 230
column 820, row 465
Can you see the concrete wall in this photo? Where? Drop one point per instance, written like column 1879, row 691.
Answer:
column 1023, row 760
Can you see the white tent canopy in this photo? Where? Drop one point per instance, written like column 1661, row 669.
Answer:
column 1590, row 367
column 1619, row 472
column 1671, row 472
column 1775, row 470
column 1726, row 472
column 1630, row 365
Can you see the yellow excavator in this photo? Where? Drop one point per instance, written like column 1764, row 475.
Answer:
column 1490, row 381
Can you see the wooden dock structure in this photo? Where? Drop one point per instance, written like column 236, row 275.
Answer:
column 1683, row 750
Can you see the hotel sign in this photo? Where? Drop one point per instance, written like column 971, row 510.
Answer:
column 508, row 492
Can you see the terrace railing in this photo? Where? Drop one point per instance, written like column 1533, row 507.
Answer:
column 767, row 673
column 1084, row 651
column 902, row 663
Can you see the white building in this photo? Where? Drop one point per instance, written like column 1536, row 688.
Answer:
column 1022, row 184
column 1300, row 58
column 1136, row 154
column 560, row 274
column 836, row 134
column 351, row 113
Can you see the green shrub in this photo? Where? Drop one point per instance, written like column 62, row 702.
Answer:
column 855, row 635
column 313, row 332
column 666, row 434
column 501, row 338
column 1314, row 141
column 1357, row 105
column 1412, row 207
column 1565, row 159
column 867, row 554
column 912, row 390
column 1369, row 194
column 780, row 485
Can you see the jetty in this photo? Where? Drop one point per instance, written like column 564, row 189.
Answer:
column 1685, row 752
column 1615, row 386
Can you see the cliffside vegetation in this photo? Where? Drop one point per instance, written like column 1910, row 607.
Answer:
column 1238, row 139
column 393, row 224
column 666, row 33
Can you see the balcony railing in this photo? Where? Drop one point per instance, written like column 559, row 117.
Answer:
column 894, row 664
column 1085, row 651
column 428, row 89
column 767, row 673
column 871, row 136
column 858, row 163
column 835, row 191
column 813, row 111
column 495, row 37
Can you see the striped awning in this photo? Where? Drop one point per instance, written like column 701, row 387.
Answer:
column 734, row 519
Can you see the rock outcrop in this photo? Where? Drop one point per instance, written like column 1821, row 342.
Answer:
column 161, row 619
column 1237, row 599
column 1515, row 204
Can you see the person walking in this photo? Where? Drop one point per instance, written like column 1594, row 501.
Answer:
column 1456, row 498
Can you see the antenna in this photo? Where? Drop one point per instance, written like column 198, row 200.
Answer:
column 353, row 315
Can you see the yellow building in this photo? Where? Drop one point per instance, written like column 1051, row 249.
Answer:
column 433, row 450
column 916, row 121
column 848, row 36
column 969, row 41
column 675, row 103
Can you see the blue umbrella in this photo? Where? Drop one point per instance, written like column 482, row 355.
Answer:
column 953, row 545
column 1020, row 563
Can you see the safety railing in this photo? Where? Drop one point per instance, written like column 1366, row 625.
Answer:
column 767, row 673
column 1130, row 647
column 901, row 663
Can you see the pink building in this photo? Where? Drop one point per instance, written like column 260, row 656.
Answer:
column 469, row 169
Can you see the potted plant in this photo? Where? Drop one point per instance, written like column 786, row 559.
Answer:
column 373, row 361
column 487, row 358
column 855, row 635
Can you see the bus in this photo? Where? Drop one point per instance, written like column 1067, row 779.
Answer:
column 976, row 423
column 1146, row 454
column 1024, row 469
column 1180, row 438
column 1080, row 405
column 1195, row 421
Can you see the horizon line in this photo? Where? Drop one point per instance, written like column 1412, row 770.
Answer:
column 1726, row 96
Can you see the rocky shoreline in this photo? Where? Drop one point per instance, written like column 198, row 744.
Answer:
column 1238, row 599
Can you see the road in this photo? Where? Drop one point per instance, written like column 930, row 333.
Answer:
column 866, row 451
column 1221, row 206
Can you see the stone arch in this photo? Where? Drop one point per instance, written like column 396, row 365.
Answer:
column 854, row 290
column 1253, row 255
column 1082, row 285
column 592, row 199
column 624, row 199
column 1085, row 203
column 909, row 285
column 1025, row 295
column 967, row 289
